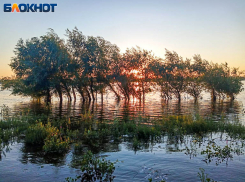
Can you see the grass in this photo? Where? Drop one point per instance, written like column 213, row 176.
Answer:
column 55, row 136
column 203, row 176
column 52, row 132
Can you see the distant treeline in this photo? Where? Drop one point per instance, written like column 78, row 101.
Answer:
column 48, row 66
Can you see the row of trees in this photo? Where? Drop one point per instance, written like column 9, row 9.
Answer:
column 89, row 65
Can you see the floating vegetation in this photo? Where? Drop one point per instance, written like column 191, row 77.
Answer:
column 95, row 169
column 154, row 175
column 204, row 177
column 220, row 154
column 217, row 141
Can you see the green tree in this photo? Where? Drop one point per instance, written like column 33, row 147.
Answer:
column 39, row 65
column 93, row 59
column 137, row 61
column 195, row 77
column 176, row 73
column 221, row 81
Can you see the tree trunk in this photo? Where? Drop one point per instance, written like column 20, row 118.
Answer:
column 48, row 97
column 179, row 96
column 74, row 94
column 102, row 97
column 81, row 93
column 59, row 90
column 232, row 97
column 213, row 95
column 61, row 97
column 123, row 91
column 67, row 92
column 112, row 89
column 89, row 97
column 143, row 91
column 91, row 89
column 69, row 96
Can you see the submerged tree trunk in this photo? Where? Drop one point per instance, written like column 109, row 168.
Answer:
column 89, row 97
column 232, row 97
column 91, row 89
column 59, row 90
column 81, row 93
column 60, row 96
column 195, row 99
column 48, row 97
column 143, row 92
column 69, row 96
column 113, row 90
column 67, row 92
column 123, row 91
column 178, row 95
column 74, row 94
column 102, row 98
column 213, row 95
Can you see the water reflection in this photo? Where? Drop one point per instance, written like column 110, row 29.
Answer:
column 154, row 106
column 35, row 155
column 175, row 148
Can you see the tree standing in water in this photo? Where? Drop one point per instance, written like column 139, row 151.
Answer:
column 47, row 65
column 40, row 66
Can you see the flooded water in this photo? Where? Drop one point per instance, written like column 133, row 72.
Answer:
column 153, row 106
column 166, row 160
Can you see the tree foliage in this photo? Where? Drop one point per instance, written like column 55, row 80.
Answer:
column 88, row 65
column 40, row 66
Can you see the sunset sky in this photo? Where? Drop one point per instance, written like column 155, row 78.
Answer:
column 215, row 29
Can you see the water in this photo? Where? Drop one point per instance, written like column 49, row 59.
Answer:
column 154, row 106
column 158, row 161
column 166, row 160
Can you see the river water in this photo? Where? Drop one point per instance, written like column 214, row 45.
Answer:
column 165, row 160
column 153, row 106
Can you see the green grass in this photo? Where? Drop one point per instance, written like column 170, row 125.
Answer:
column 60, row 133
column 55, row 136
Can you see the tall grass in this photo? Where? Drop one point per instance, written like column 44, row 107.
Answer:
column 53, row 133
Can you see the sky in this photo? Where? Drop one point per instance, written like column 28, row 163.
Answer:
column 215, row 29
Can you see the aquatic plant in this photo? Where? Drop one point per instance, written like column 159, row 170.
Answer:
column 78, row 147
column 136, row 143
column 87, row 117
column 36, row 134
column 48, row 136
column 1, row 147
column 218, row 153
column 151, row 180
column 4, row 111
column 95, row 169
column 56, row 144
column 204, row 177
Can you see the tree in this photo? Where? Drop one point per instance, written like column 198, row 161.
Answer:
column 93, row 59
column 39, row 65
column 221, row 81
column 137, row 69
column 195, row 77
column 176, row 73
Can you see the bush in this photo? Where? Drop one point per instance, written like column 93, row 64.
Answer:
column 56, row 144
column 36, row 134
column 48, row 135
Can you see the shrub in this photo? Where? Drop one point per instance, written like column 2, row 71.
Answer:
column 36, row 134
column 136, row 144
column 56, row 144
column 48, row 135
